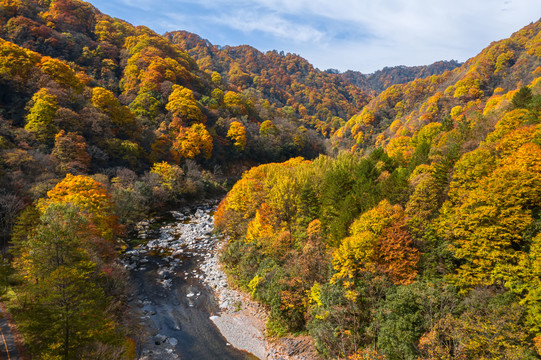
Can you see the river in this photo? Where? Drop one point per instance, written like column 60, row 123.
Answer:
column 169, row 296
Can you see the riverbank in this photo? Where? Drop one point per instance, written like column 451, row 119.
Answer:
column 184, row 303
column 241, row 320
column 171, row 305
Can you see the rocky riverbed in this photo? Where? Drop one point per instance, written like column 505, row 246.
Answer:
column 185, row 306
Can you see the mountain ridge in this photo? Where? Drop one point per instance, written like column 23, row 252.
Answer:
column 420, row 224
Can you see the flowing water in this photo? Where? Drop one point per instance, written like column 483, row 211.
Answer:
column 169, row 296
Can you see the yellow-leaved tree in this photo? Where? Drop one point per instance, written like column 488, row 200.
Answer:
column 40, row 118
column 193, row 141
column 122, row 120
column 486, row 220
column 379, row 243
column 237, row 134
column 183, row 106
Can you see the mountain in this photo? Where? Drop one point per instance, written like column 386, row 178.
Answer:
column 402, row 110
column 319, row 99
column 132, row 98
column 417, row 236
column 388, row 76
column 420, row 238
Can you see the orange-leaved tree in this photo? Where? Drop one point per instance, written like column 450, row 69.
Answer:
column 193, row 141
column 91, row 197
column 379, row 243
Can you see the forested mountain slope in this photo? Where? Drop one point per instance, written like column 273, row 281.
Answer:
column 101, row 124
column 421, row 238
column 131, row 96
column 402, row 110
column 322, row 100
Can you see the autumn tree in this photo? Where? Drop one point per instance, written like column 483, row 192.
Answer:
column 71, row 15
column 379, row 243
column 65, row 307
column 40, row 117
column 183, row 106
column 61, row 73
column 70, row 151
column 487, row 224
column 122, row 120
column 90, row 196
column 237, row 134
column 193, row 141
column 268, row 128
column 146, row 105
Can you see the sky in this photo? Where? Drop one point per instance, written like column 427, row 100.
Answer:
column 361, row 35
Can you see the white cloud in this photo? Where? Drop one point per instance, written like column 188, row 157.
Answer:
column 271, row 24
column 363, row 35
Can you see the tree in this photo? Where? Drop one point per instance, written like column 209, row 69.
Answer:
column 268, row 128
column 40, row 118
column 194, row 141
column 234, row 103
column 172, row 180
column 523, row 98
column 10, row 206
column 183, row 106
column 70, row 151
column 60, row 72
column 401, row 322
column 489, row 327
column 486, row 224
column 237, row 134
column 379, row 243
column 146, row 105
column 424, row 202
column 90, row 196
column 64, row 306
column 71, row 15
column 122, row 120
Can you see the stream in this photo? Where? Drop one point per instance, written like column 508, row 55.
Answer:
column 169, row 296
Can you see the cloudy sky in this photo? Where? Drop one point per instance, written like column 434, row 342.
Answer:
column 363, row 35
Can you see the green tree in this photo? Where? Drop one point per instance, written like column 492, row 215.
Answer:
column 523, row 98
column 40, row 118
column 61, row 306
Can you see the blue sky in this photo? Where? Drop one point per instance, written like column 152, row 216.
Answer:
column 362, row 35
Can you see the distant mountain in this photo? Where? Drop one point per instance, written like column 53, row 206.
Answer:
column 388, row 76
